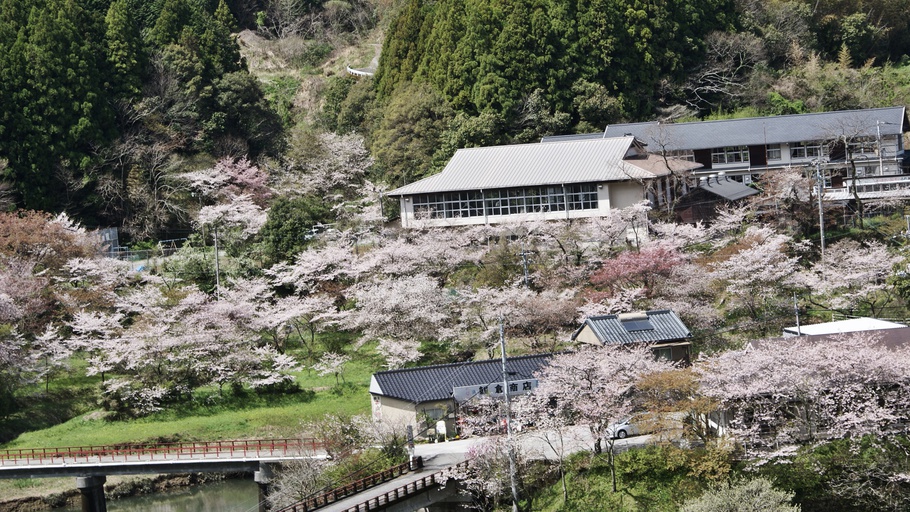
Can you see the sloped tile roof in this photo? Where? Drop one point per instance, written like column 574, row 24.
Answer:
column 523, row 165
column 757, row 130
column 724, row 187
column 609, row 328
column 430, row 383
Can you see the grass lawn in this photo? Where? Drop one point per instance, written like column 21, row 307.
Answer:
column 211, row 415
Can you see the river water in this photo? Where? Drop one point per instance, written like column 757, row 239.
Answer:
column 226, row 496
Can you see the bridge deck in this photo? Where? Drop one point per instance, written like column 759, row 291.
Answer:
column 212, row 457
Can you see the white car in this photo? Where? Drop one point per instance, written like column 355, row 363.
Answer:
column 623, row 428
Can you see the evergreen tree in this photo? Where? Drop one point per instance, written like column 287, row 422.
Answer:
column 125, row 51
column 59, row 99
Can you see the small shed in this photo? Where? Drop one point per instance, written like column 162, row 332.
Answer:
column 700, row 204
column 662, row 328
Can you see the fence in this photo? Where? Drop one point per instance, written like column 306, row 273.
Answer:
column 327, row 498
column 167, row 451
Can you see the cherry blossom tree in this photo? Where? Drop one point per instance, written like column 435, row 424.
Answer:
column 853, row 276
column 596, row 387
column 799, row 391
column 642, row 268
column 240, row 214
column 486, row 476
column 399, row 312
column 230, row 177
column 332, row 363
column 755, row 269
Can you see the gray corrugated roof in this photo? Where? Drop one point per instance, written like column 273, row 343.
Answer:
column 522, row 165
column 609, row 328
column 759, row 130
column 428, row 383
column 724, row 187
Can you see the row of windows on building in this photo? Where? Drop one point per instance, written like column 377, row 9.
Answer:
column 798, row 150
column 449, row 205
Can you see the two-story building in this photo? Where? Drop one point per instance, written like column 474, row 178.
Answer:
column 871, row 140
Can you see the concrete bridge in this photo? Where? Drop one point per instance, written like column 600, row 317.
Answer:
column 91, row 465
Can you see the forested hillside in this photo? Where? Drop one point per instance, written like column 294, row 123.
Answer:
column 502, row 72
column 104, row 103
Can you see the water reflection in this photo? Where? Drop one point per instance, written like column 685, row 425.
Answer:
column 226, row 496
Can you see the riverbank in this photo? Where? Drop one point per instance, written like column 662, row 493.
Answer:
column 47, row 494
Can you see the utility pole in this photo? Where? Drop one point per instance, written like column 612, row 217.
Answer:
column 524, row 262
column 796, row 310
column 821, row 211
column 878, row 133
column 217, row 270
column 513, row 477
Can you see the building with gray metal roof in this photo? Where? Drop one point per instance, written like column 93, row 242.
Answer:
column 869, row 139
column 662, row 328
column 560, row 180
column 433, row 392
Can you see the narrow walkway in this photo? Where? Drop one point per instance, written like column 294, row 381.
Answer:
column 431, row 464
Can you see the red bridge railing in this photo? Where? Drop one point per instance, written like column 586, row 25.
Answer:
column 164, row 451
column 331, row 496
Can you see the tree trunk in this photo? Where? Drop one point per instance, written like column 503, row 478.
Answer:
column 612, row 467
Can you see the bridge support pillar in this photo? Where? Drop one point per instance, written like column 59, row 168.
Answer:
column 263, row 477
column 92, row 490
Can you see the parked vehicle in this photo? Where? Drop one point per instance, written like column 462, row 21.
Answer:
column 624, row 428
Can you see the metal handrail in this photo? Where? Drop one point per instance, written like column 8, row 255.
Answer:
column 422, row 485
column 163, row 451
column 334, row 495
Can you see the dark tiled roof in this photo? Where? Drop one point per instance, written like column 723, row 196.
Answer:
column 428, row 383
column 724, row 187
column 609, row 328
column 757, row 130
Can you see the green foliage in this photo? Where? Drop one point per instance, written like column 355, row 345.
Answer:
column 289, row 228
column 744, row 496
column 847, row 475
column 125, row 50
column 483, row 56
column 280, row 92
column 334, row 95
column 409, row 133
column 356, row 111
column 654, row 478
column 53, row 108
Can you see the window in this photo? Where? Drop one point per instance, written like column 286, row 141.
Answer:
column 863, row 146
column 808, row 150
column 730, row 155
column 772, row 152
column 663, row 354
column 682, row 154
column 513, row 201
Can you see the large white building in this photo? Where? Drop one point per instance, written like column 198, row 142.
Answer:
column 554, row 180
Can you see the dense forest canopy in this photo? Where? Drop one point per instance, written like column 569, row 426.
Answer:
column 100, row 98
